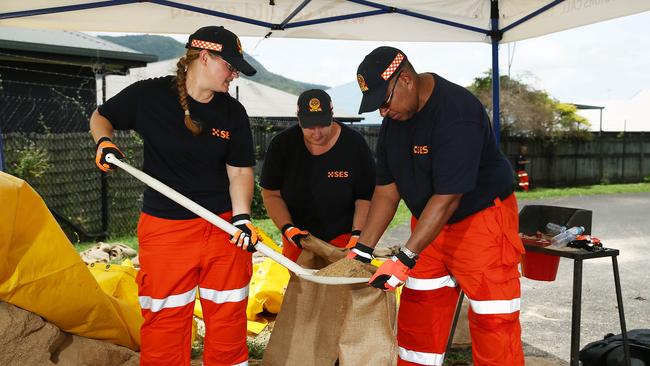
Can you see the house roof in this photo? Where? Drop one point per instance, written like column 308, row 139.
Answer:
column 75, row 45
column 621, row 114
column 258, row 99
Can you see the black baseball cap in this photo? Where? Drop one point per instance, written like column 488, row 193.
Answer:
column 315, row 108
column 374, row 74
column 223, row 42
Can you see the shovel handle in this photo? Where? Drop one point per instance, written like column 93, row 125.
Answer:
column 202, row 212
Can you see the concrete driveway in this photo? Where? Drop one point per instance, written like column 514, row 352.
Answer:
column 621, row 221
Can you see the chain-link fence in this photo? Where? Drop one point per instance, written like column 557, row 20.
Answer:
column 88, row 205
column 61, row 168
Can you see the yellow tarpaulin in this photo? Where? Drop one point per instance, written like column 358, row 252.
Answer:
column 41, row 272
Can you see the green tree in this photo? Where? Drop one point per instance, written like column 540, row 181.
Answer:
column 528, row 112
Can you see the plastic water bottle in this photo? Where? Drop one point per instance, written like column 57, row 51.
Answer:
column 562, row 239
column 554, row 229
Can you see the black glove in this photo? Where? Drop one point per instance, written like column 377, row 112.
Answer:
column 293, row 234
column 361, row 253
column 106, row 146
column 246, row 236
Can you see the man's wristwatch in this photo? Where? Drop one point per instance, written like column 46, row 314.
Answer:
column 410, row 254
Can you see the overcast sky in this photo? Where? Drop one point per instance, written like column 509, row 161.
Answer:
column 607, row 60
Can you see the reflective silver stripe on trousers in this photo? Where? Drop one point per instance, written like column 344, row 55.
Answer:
column 423, row 284
column 171, row 301
column 224, row 296
column 422, row 358
column 489, row 307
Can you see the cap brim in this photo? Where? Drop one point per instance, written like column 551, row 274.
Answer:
column 241, row 65
column 373, row 99
column 313, row 119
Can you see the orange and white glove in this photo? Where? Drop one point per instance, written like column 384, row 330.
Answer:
column 246, row 235
column 354, row 238
column 361, row 252
column 293, row 234
column 106, row 146
column 393, row 272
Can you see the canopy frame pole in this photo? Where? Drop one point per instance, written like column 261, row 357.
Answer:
column 334, row 19
column 532, row 15
column 389, row 9
column 496, row 36
column 64, row 9
column 219, row 14
column 294, row 13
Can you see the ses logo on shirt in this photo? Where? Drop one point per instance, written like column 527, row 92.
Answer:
column 221, row 133
column 338, row 174
column 420, row 149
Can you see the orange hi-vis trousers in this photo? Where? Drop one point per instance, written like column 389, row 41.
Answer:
column 176, row 256
column 292, row 252
column 524, row 182
column 479, row 254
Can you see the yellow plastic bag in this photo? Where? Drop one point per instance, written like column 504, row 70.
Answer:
column 267, row 288
column 118, row 281
column 41, row 272
column 266, row 291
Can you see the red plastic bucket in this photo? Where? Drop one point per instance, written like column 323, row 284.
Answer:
column 539, row 266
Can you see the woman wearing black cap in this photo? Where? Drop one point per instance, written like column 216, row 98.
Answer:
column 318, row 178
column 197, row 139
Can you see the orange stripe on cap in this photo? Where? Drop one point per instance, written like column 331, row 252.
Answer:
column 207, row 45
column 393, row 66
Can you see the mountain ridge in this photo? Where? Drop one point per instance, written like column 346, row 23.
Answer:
column 166, row 48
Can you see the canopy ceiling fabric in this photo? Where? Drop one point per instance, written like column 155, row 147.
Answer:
column 256, row 18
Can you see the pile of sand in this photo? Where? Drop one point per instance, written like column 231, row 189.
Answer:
column 347, row 268
column 27, row 339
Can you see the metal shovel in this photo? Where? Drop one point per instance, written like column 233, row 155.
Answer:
column 307, row 274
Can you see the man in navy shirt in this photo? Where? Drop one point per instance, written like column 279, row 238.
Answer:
column 437, row 151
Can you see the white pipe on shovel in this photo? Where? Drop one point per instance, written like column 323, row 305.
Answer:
column 224, row 225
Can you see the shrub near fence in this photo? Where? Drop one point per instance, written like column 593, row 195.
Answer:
column 71, row 185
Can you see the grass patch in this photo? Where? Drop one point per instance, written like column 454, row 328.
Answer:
column 583, row 191
column 402, row 215
column 256, row 348
column 267, row 226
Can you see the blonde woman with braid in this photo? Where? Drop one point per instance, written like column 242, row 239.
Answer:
column 197, row 139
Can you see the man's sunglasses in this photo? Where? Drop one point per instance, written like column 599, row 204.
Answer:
column 386, row 103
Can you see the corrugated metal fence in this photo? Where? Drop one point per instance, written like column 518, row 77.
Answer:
column 608, row 158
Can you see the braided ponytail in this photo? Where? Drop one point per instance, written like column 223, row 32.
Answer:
column 181, row 74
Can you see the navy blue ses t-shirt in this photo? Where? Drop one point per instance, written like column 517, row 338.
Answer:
column 193, row 166
column 448, row 147
column 320, row 191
